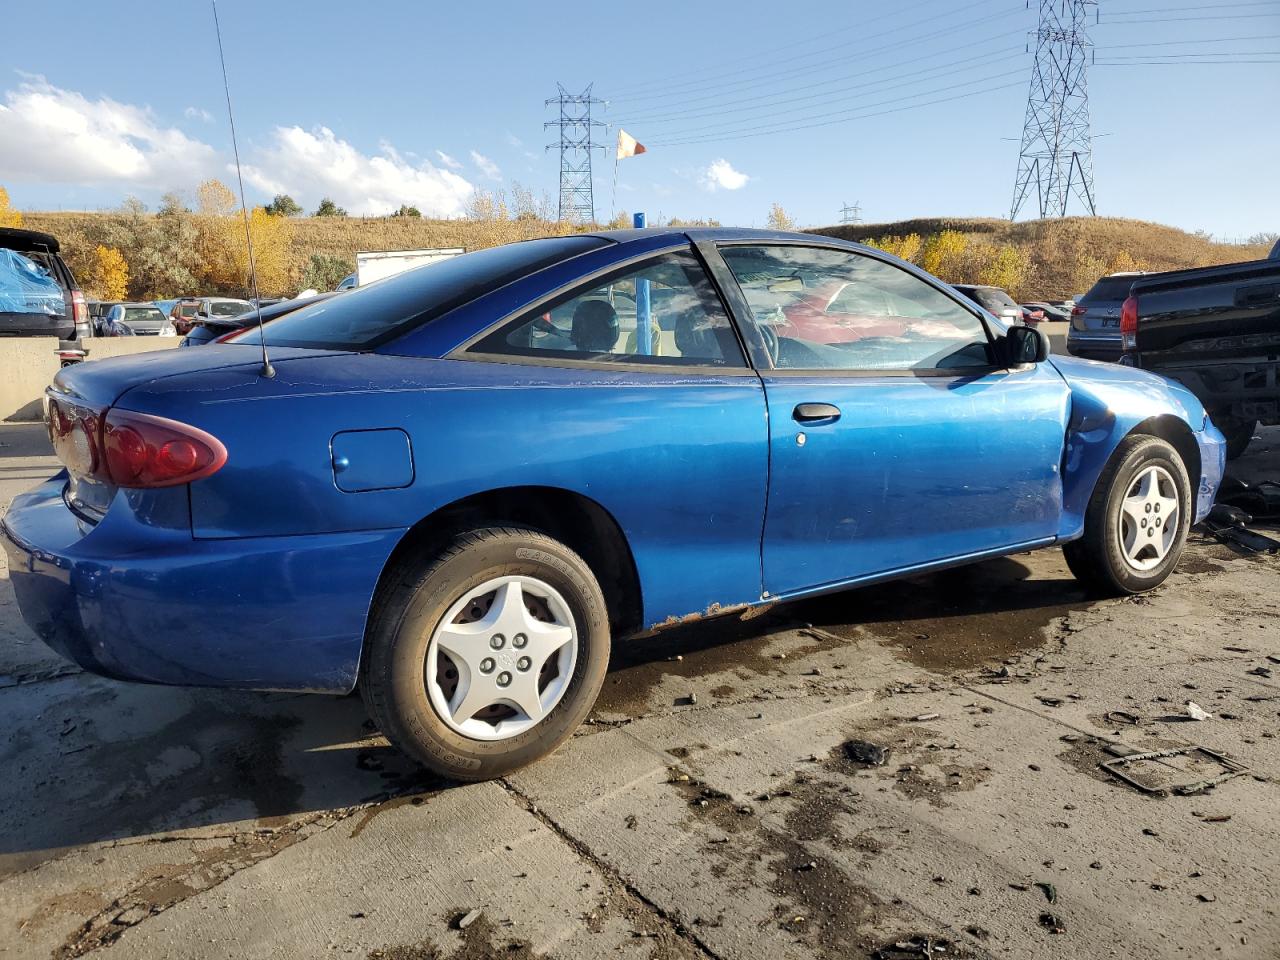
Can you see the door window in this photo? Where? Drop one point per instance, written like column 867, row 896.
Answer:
column 823, row 309
column 662, row 311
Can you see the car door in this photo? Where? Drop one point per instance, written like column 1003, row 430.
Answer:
column 898, row 450
column 637, row 393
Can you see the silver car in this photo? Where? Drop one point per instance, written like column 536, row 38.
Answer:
column 1095, row 319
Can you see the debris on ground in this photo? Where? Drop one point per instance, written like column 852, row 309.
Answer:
column 1197, row 712
column 1050, row 891
column 467, row 919
column 1202, row 760
column 917, row 947
column 1052, row 922
column 863, row 751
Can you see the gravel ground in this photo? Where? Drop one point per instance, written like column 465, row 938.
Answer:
column 710, row 808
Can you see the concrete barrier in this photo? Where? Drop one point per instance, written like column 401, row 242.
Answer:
column 29, row 364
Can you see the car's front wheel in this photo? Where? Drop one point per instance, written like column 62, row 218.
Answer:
column 487, row 655
column 1137, row 520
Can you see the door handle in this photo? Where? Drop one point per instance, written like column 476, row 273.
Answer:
column 816, row 413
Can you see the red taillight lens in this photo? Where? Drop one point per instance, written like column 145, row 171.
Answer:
column 79, row 308
column 1129, row 323
column 140, row 450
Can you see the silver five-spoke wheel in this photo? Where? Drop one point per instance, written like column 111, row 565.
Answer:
column 1149, row 519
column 501, row 658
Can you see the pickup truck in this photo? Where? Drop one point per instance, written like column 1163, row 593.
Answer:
column 1217, row 331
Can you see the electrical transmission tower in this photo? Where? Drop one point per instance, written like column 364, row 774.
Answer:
column 851, row 214
column 577, row 197
column 1056, row 159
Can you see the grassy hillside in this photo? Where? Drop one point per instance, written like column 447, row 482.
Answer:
column 1033, row 259
column 1063, row 257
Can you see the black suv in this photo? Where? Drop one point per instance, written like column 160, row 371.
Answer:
column 73, row 322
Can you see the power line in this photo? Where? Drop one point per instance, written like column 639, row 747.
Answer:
column 1229, row 16
column 1213, row 6
column 701, row 130
column 1177, row 63
column 757, row 78
column 761, row 132
column 1179, row 43
column 625, row 90
column 662, row 118
column 1056, row 155
column 851, row 214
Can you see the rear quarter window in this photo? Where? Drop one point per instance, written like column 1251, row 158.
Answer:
column 367, row 317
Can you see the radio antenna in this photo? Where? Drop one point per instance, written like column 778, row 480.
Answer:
column 267, row 370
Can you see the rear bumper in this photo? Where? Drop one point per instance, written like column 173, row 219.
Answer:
column 138, row 603
column 1094, row 348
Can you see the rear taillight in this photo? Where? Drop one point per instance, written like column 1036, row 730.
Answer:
column 140, row 450
column 1077, row 317
column 1129, row 323
column 79, row 308
column 131, row 449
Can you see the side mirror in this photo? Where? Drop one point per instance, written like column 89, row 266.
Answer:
column 1024, row 345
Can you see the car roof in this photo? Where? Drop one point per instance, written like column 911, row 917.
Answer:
column 11, row 238
column 134, row 303
column 715, row 233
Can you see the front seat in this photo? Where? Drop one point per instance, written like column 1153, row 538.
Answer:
column 595, row 327
column 695, row 336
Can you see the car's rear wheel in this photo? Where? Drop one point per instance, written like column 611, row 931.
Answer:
column 487, row 655
column 1136, row 523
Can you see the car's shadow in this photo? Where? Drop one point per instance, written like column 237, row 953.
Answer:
column 88, row 759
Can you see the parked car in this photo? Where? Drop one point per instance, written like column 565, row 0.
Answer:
column 38, row 295
column 431, row 493
column 1055, row 313
column 183, row 314
column 206, row 331
column 1217, row 331
column 98, row 310
column 994, row 300
column 349, row 282
column 1095, row 319
column 141, row 319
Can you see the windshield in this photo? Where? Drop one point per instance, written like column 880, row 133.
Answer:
column 1111, row 288
column 143, row 315
column 368, row 316
column 228, row 308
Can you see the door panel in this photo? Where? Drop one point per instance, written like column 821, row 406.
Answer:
column 913, row 470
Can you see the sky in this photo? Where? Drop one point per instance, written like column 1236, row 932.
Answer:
column 907, row 108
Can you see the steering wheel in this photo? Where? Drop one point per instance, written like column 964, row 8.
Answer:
column 770, row 336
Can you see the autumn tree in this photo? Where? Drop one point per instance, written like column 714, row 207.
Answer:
column 328, row 208
column 905, row 248
column 8, row 216
column 1009, row 269
column 283, row 205
column 942, row 252
column 108, row 277
column 779, row 219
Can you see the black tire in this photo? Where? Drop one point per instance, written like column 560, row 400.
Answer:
column 1238, row 436
column 406, row 614
column 1096, row 559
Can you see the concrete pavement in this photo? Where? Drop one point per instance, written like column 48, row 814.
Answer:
column 707, row 810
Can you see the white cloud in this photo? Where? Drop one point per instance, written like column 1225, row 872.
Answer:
column 486, row 166
column 51, row 135
column 513, row 140
column 448, row 161
column 310, row 164
column 198, row 113
column 720, row 175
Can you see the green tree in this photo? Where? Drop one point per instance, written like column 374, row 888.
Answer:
column 407, row 211
column 283, row 206
column 325, row 273
column 328, row 208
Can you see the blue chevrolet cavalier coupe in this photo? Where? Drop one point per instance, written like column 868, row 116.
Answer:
column 457, row 486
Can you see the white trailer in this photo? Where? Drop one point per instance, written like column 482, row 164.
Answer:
column 376, row 264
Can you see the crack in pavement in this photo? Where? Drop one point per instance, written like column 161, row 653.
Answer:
column 208, row 870
column 582, row 850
